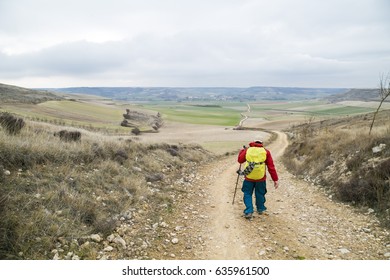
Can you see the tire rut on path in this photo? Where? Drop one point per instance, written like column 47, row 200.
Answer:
column 303, row 222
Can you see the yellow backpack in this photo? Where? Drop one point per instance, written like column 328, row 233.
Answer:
column 255, row 163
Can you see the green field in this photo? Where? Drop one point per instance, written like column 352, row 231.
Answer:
column 274, row 111
column 208, row 114
column 344, row 111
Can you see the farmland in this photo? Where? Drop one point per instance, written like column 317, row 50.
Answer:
column 209, row 123
column 198, row 113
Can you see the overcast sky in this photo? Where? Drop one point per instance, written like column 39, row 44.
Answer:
column 239, row 43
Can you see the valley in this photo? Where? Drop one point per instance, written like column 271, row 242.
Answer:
column 156, row 195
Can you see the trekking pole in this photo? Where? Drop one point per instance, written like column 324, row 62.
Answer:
column 238, row 176
column 235, row 190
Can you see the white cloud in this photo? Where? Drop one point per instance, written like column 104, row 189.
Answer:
column 194, row 43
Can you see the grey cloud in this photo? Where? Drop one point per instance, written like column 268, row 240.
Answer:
column 235, row 42
column 70, row 58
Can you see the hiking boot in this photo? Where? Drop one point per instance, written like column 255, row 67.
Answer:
column 262, row 213
column 248, row 215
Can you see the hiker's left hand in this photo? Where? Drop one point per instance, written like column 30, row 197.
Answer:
column 276, row 184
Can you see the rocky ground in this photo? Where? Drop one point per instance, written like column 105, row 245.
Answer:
column 303, row 222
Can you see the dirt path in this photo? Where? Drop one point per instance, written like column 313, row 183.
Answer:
column 244, row 116
column 303, row 222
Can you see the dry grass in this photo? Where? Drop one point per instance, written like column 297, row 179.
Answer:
column 60, row 191
column 338, row 155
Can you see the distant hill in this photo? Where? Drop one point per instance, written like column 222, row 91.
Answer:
column 356, row 94
column 204, row 93
column 14, row 94
column 9, row 93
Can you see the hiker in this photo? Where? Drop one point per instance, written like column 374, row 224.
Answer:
column 257, row 158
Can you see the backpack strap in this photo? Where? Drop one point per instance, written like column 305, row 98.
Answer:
column 250, row 167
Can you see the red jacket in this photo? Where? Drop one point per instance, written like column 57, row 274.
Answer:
column 268, row 161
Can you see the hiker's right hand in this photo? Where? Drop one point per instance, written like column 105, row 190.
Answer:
column 240, row 172
column 276, row 184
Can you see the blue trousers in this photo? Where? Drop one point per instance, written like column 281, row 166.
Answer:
column 260, row 191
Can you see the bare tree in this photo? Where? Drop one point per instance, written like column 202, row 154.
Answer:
column 384, row 92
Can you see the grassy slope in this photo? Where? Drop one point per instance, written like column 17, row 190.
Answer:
column 90, row 115
column 82, row 111
column 14, row 94
column 61, row 193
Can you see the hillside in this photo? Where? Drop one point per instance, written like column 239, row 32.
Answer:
column 14, row 94
column 77, row 110
column 64, row 199
column 356, row 95
column 340, row 156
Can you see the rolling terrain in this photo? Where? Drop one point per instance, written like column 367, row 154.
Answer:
column 116, row 195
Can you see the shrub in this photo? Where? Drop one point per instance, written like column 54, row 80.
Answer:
column 69, row 136
column 372, row 189
column 380, row 180
column 121, row 156
column 136, row 131
column 11, row 124
column 356, row 190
